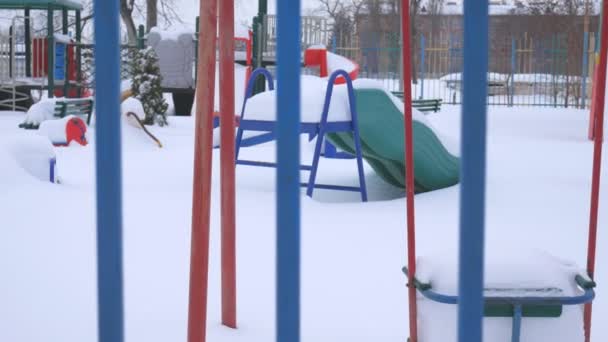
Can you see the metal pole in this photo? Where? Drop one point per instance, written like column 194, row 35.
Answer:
column 66, row 56
column 288, row 171
column 585, row 70
column 227, row 159
column 473, row 165
column 79, row 53
column 422, row 65
column 108, row 170
column 64, row 21
column 28, row 43
column 597, row 163
column 196, row 43
column 513, row 70
column 141, row 31
column 50, row 52
column 409, row 164
column 201, row 189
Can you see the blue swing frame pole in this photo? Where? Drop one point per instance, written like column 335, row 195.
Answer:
column 472, row 194
column 108, row 169
column 288, row 171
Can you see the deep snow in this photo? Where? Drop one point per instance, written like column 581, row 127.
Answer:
column 353, row 290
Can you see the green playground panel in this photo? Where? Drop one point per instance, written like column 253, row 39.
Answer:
column 381, row 126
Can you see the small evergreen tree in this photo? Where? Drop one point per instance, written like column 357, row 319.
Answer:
column 146, row 86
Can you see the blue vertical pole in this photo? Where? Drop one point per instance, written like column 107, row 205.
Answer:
column 473, row 165
column 108, row 169
column 334, row 45
column 513, row 70
column 288, row 171
column 422, row 65
column 585, row 69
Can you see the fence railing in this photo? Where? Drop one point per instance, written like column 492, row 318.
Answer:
column 551, row 71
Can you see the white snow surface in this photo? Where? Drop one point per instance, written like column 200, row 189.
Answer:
column 41, row 111
column 55, row 130
column 32, row 153
column 539, row 176
column 336, row 62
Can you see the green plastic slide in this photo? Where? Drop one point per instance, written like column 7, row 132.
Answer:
column 382, row 136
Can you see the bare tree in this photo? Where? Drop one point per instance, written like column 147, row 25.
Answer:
column 151, row 14
column 149, row 10
column 126, row 13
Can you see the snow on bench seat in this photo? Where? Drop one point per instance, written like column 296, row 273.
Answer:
column 511, row 272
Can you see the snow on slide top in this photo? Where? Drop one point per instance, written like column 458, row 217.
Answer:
column 263, row 106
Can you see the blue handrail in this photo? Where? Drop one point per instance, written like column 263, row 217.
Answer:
column 355, row 129
column 587, row 296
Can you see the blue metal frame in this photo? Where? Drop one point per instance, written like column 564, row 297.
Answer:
column 288, row 171
column 318, row 130
column 52, row 165
column 516, row 301
column 108, row 170
column 473, row 171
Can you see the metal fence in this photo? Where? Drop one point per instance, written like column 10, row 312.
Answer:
column 524, row 70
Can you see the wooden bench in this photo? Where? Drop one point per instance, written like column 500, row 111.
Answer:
column 63, row 108
column 426, row 105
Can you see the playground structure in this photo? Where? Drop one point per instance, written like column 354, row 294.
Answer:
column 29, row 60
column 471, row 293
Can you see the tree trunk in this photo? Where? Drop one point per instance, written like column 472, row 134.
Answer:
column 152, row 14
column 126, row 9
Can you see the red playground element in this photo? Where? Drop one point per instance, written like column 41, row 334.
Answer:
column 75, row 130
column 597, row 125
column 409, row 173
column 227, row 161
column 317, row 56
column 201, row 187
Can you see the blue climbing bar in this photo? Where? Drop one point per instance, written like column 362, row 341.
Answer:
column 473, row 167
column 288, row 171
column 108, row 169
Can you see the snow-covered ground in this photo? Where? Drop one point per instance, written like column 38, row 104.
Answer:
column 353, row 290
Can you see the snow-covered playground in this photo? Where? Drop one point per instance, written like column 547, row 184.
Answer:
column 196, row 187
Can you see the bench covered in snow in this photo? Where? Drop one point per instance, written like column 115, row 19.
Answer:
column 82, row 107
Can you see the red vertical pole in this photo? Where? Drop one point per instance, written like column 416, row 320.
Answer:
column 597, row 161
column 409, row 169
column 201, row 192
column 227, row 158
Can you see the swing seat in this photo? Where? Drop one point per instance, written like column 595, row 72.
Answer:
column 542, row 289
